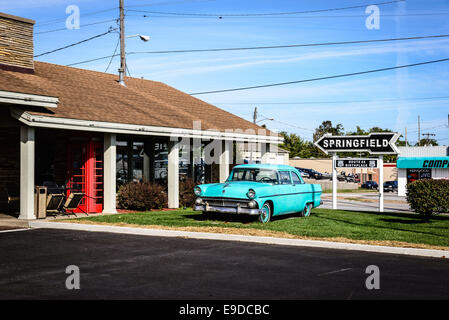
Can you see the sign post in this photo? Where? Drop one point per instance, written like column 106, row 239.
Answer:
column 381, row 183
column 375, row 143
column 334, row 180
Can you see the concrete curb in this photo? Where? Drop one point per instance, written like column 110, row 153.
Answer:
column 243, row 238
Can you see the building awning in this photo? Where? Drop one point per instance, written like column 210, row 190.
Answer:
column 422, row 162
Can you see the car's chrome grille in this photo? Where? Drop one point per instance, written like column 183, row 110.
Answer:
column 226, row 202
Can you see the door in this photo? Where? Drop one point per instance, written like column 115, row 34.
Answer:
column 302, row 192
column 85, row 174
column 286, row 202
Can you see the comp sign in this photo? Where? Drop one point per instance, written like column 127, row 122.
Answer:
column 423, row 162
column 374, row 143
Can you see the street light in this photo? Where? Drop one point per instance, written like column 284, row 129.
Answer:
column 270, row 119
column 122, row 68
column 141, row 36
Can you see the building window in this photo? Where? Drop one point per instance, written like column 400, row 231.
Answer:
column 160, row 162
column 122, row 163
column 137, row 165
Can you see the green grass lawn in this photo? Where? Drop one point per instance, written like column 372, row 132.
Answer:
column 323, row 223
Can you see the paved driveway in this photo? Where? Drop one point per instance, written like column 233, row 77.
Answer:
column 118, row 266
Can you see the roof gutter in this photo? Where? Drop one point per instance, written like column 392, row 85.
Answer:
column 121, row 128
column 18, row 98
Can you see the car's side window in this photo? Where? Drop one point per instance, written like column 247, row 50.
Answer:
column 285, row 177
column 296, row 179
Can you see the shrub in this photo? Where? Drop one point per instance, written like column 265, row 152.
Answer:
column 142, row 196
column 428, row 196
column 186, row 195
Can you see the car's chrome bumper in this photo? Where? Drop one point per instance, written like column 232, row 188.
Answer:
column 236, row 210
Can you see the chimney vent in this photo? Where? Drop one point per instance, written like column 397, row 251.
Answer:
column 16, row 43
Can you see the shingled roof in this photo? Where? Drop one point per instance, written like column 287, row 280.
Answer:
column 96, row 96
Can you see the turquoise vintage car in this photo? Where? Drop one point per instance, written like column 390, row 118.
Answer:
column 259, row 189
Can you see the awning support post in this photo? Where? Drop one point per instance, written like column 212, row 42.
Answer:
column 27, row 149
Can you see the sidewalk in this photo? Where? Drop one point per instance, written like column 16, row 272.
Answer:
column 9, row 222
column 233, row 237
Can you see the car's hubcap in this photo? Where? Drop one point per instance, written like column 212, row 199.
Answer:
column 307, row 210
column 265, row 213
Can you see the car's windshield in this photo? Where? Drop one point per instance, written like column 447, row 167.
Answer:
column 254, row 174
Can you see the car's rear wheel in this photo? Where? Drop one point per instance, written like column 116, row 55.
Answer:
column 307, row 210
column 265, row 215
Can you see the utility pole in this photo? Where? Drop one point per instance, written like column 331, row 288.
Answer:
column 419, row 132
column 255, row 115
column 428, row 137
column 251, row 145
column 406, row 136
column 121, row 70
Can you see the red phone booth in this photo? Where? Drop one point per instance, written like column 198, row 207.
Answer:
column 85, row 174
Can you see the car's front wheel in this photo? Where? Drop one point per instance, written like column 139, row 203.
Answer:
column 265, row 215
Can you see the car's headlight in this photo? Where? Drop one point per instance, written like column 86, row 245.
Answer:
column 197, row 190
column 251, row 194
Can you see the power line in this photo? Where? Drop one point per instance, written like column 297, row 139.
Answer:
column 320, row 78
column 267, row 13
column 50, row 22
column 301, row 17
column 293, row 126
column 84, row 25
column 333, row 102
column 165, row 2
column 53, row 21
column 440, row 126
column 92, row 60
column 269, row 47
column 291, row 45
column 76, row 43
column 113, row 55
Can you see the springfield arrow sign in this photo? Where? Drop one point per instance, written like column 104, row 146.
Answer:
column 374, row 143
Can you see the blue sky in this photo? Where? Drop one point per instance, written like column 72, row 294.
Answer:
column 391, row 99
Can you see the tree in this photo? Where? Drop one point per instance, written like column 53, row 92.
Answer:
column 292, row 143
column 326, row 127
column 298, row 147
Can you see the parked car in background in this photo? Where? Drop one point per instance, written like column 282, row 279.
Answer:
column 312, row 173
column 326, row 175
column 350, row 178
column 261, row 190
column 341, row 176
column 370, row 185
column 390, row 186
column 303, row 173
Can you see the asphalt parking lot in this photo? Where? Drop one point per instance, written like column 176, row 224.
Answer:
column 118, row 266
